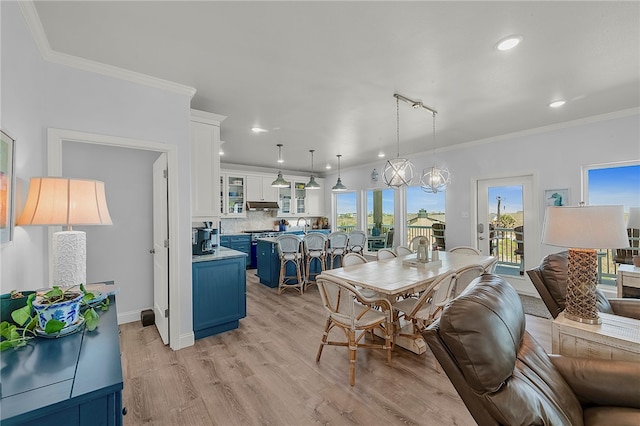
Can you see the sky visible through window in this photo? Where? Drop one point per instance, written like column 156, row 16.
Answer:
column 615, row 186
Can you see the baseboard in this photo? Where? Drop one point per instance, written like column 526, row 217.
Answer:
column 127, row 317
column 186, row 340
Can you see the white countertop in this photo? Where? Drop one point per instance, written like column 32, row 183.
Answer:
column 221, row 253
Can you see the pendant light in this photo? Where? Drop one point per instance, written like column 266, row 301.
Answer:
column 339, row 187
column 398, row 172
column 312, row 181
column 434, row 178
column 280, row 182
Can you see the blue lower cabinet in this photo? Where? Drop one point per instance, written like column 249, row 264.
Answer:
column 268, row 263
column 238, row 242
column 219, row 295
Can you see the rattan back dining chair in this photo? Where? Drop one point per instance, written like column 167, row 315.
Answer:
column 424, row 309
column 402, row 250
column 355, row 315
column 465, row 250
column 465, row 275
column 338, row 242
column 385, row 254
column 358, row 259
column 357, row 242
column 315, row 249
column 290, row 252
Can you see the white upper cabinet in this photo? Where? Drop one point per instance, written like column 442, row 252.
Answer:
column 232, row 194
column 315, row 200
column 259, row 188
column 205, row 166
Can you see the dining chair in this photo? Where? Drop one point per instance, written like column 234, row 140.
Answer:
column 337, row 247
column 315, row 248
column 465, row 275
column 439, row 235
column 413, row 244
column 403, row 251
column 424, row 309
column 385, row 254
column 357, row 242
column 519, row 251
column 465, row 250
column 290, row 252
column 355, row 315
column 358, row 259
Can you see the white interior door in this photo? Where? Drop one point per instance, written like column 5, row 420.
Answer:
column 503, row 204
column 160, row 248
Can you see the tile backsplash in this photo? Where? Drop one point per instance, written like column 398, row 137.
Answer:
column 256, row 220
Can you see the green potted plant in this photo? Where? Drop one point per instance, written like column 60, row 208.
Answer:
column 52, row 312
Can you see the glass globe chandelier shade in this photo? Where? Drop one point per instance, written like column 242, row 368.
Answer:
column 280, row 182
column 312, row 180
column 398, row 172
column 434, row 179
column 339, row 187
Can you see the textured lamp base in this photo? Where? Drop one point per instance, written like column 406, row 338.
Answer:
column 581, row 286
column 69, row 258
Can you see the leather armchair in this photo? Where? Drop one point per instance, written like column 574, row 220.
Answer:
column 550, row 279
column 505, row 377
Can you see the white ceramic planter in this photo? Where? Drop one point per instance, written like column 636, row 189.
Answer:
column 67, row 311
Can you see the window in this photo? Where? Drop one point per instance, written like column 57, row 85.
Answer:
column 612, row 184
column 346, row 211
column 380, row 211
column 423, row 210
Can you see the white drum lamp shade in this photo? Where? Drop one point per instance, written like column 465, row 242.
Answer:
column 66, row 202
column 583, row 230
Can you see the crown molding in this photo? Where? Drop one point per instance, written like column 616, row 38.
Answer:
column 37, row 31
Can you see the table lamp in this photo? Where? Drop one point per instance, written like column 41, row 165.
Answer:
column 584, row 229
column 633, row 223
column 67, row 202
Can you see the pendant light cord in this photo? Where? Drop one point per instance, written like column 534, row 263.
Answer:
column 398, row 126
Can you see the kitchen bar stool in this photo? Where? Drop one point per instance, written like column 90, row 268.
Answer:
column 315, row 248
column 337, row 247
column 289, row 250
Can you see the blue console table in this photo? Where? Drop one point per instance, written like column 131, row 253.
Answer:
column 73, row 380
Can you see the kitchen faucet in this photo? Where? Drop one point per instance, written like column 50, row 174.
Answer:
column 305, row 223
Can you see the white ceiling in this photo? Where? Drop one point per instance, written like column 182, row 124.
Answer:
column 321, row 75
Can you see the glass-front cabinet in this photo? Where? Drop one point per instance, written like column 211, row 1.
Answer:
column 292, row 200
column 232, row 195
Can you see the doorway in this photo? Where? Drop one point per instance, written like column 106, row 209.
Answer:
column 56, row 137
column 506, row 224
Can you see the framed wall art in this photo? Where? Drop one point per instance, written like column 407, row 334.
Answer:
column 556, row 197
column 7, row 180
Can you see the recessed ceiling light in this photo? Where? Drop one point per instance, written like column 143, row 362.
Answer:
column 509, row 43
column 381, row 154
column 328, row 167
column 258, row 130
column 221, row 152
column 558, row 103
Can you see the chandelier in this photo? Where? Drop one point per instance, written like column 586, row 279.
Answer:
column 434, row 178
column 398, row 172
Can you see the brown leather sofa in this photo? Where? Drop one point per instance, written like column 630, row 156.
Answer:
column 550, row 279
column 505, row 377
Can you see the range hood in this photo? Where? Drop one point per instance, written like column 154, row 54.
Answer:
column 262, row 205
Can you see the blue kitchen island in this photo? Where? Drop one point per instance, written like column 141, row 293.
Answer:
column 269, row 262
column 219, row 291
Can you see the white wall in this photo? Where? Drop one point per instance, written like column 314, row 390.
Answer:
column 554, row 157
column 37, row 95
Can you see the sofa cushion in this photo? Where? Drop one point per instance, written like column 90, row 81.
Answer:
column 554, row 269
column 484, row 330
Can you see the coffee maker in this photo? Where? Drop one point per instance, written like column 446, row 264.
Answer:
column 204, row 240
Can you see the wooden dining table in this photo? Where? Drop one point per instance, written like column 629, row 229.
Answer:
column 402, row 275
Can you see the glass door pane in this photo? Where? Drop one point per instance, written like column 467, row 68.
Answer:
column 300, row 198
column 236, row 194
column 285, row 200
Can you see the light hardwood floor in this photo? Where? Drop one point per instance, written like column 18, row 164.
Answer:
column 265, row 373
